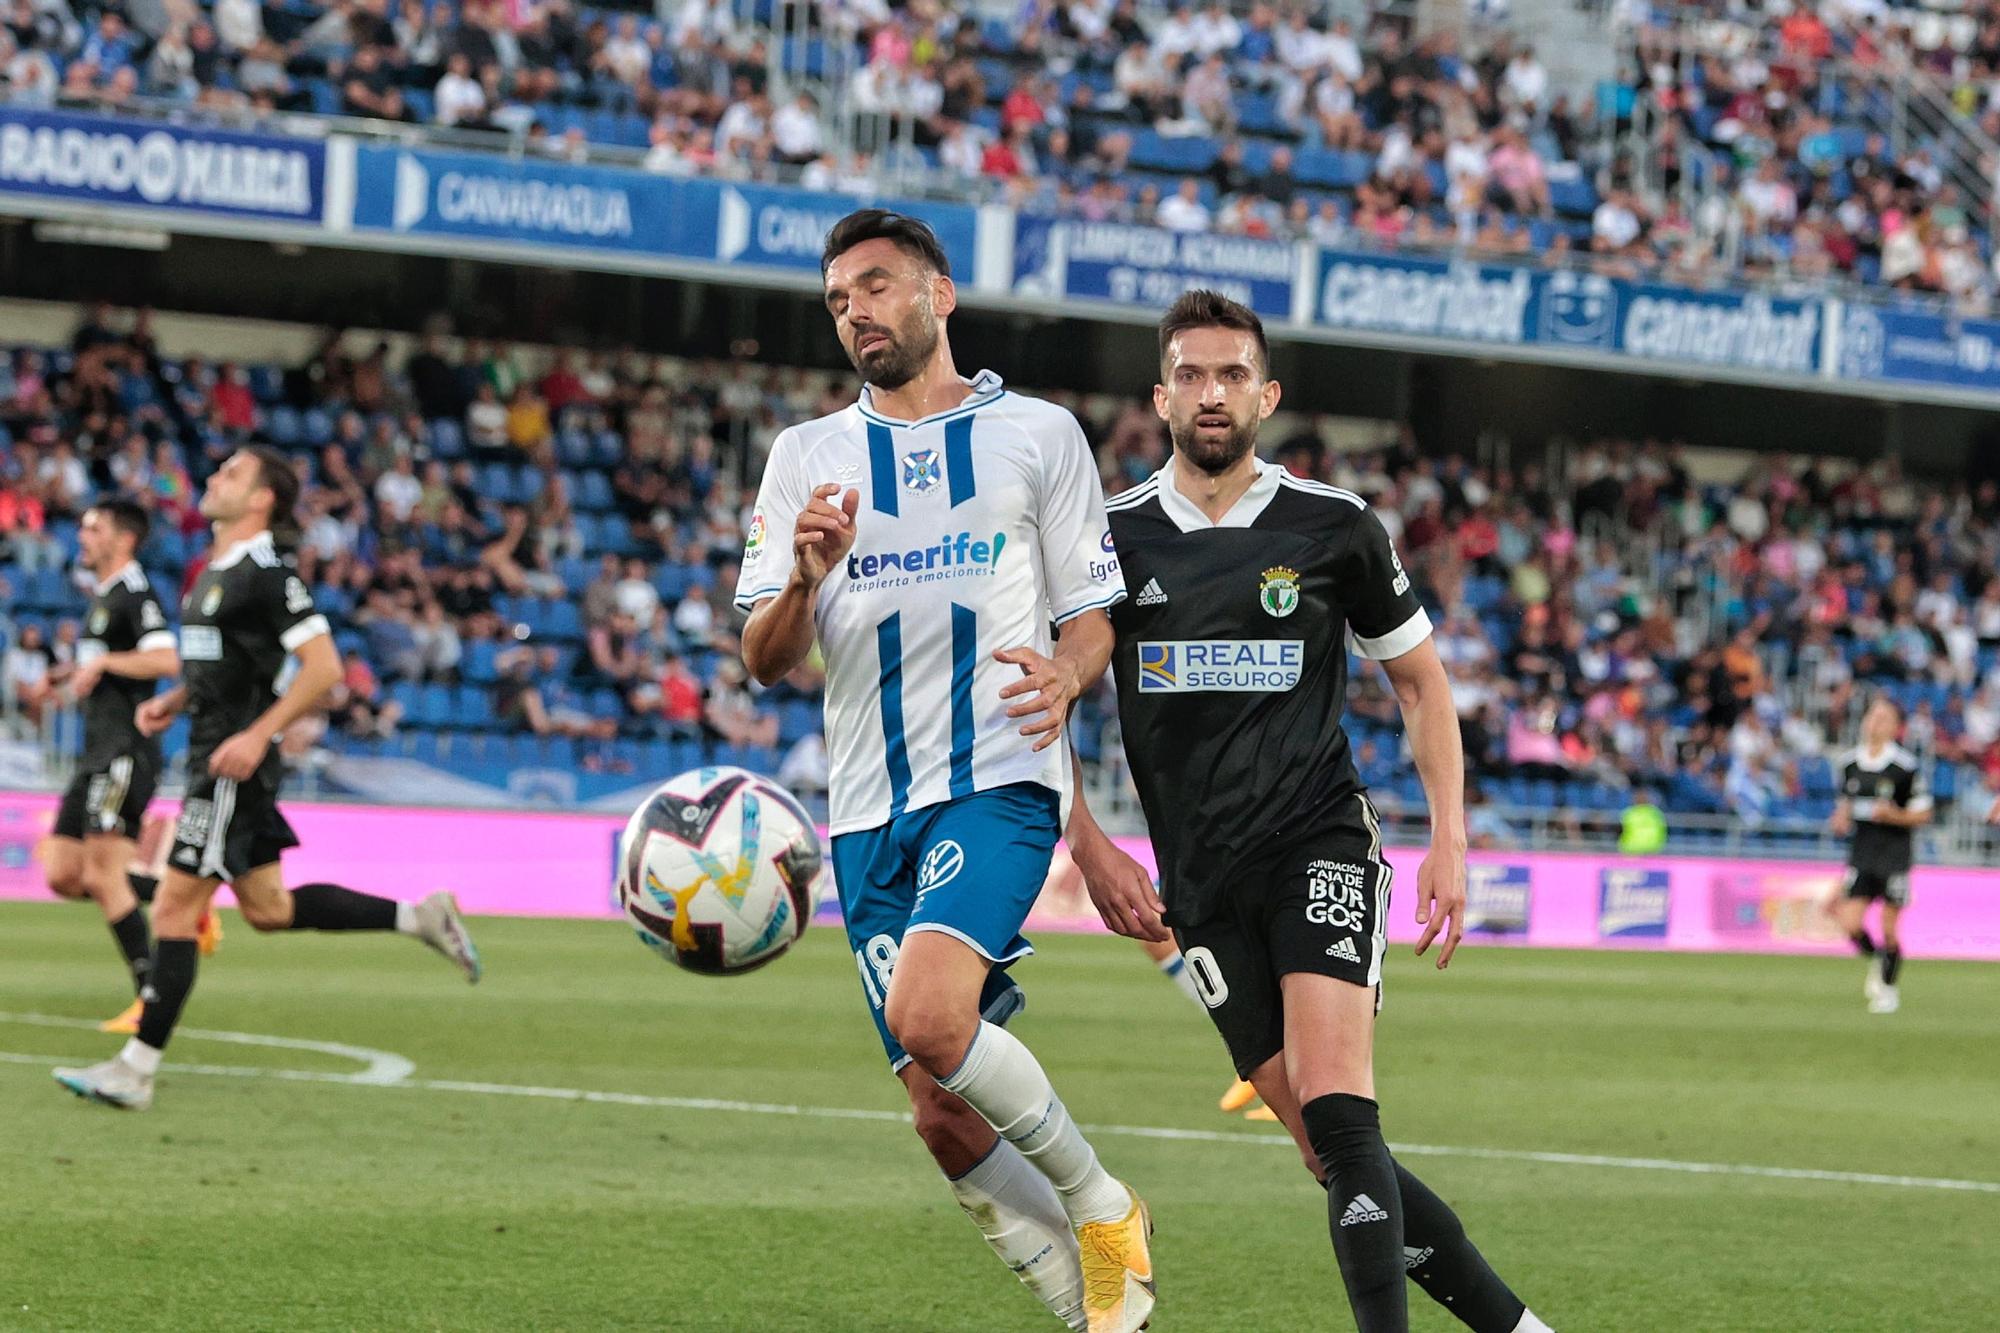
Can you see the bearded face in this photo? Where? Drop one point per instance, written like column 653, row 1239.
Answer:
column 1214, row 396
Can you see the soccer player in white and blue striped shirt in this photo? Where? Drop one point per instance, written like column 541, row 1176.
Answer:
column 928, row 536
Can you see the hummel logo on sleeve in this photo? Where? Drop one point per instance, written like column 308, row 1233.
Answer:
column 1343, row 949
column 1151, row 595
column 1361, row 1209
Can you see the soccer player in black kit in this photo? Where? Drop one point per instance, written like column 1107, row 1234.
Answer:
column 126, row 647
column 1231, row 668
column 245, row 614
column 1883, row 802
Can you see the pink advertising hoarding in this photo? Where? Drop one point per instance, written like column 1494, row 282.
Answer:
column 525, row 864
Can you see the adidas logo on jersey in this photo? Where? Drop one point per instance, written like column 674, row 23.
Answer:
column 1152, row 594
column 1343, row 949
column 1361, row 1209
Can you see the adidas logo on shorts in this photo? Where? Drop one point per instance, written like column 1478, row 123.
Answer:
column 1343, row 949
column 1151, row 595
column 1361, row 1209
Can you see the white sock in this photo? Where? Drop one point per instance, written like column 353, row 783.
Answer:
column 1530, row 1324
column 1177, row 972
column 1001, row 1079
column 406, row 918
column 1017, row 1210
column 144, row 1058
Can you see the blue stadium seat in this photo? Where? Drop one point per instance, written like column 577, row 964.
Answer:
column 1574, row 197
column 283, row 426
column 447, row 439
column 318, row 427
column 608, row 449
column 1188, row 155
column 478, row 664
column 595, row 492
column 472, row 708
column 564, row 621
column 797, row 720
column 433, row 706
column 573, row 447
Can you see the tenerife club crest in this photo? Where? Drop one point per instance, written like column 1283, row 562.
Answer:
column 922, row 471
column 1279, row 592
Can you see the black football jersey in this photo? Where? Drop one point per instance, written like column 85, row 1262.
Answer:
column 1892, row 777
column 246, row 613
column 124, row 617
column 1231, row 666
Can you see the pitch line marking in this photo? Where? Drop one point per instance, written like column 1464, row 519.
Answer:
column 370, row 1078
column 379, row 1068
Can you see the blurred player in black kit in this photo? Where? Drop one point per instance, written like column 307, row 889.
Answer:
column 247, row 612
column 1883, row 802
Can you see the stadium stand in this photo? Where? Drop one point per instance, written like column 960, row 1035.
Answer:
column 528, row 556
column 1743, row 142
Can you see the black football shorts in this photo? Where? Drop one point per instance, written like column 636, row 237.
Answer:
column 109, row 799
column 229, row 828
column 1870, row 885
column 1319, row 905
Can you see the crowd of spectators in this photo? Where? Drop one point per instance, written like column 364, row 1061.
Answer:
column 1778, row 111
column 1256, row 119
column 1615, row 628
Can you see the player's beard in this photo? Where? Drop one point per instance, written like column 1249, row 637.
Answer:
column 908, row 350
column 1213, row 453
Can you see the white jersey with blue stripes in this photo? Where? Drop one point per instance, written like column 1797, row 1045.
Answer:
column 978, row 528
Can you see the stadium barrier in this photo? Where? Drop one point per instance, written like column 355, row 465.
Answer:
column 511, row 863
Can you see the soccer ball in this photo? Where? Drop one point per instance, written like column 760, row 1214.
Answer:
column 719, row 870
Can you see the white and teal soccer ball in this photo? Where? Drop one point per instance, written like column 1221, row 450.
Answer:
column 719, row 870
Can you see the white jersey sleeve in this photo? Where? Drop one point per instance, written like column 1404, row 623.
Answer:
column 767, row 547
column 1079, row 563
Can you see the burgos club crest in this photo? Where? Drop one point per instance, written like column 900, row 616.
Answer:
column 922, row 471
column 1279, row 592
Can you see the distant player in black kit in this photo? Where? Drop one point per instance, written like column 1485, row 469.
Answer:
column 1883, row 802
column 126, row 647
column 1231, row 667
column 244, row 616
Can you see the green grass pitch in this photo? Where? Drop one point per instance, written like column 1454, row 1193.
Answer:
column 251, row 1202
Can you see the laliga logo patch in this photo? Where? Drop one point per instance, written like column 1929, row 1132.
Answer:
column 754, row 542
column 1279, row 592
column 940, row 866
column 922, row 471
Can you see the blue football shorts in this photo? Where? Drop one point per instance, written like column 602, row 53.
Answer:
column 969, row 868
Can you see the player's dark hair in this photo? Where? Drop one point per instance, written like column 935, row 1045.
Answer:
column 911, row 235
column 275, row 471
column 127, row 515
column 1204, row 309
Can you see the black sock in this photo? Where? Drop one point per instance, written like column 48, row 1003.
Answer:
column 1364, row 1209
column 142, row 885
column 167, row 990
column 330, row 907
column 136, row 943
column 1892, row 965
column 1450, row 1268
column 1863, row 944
